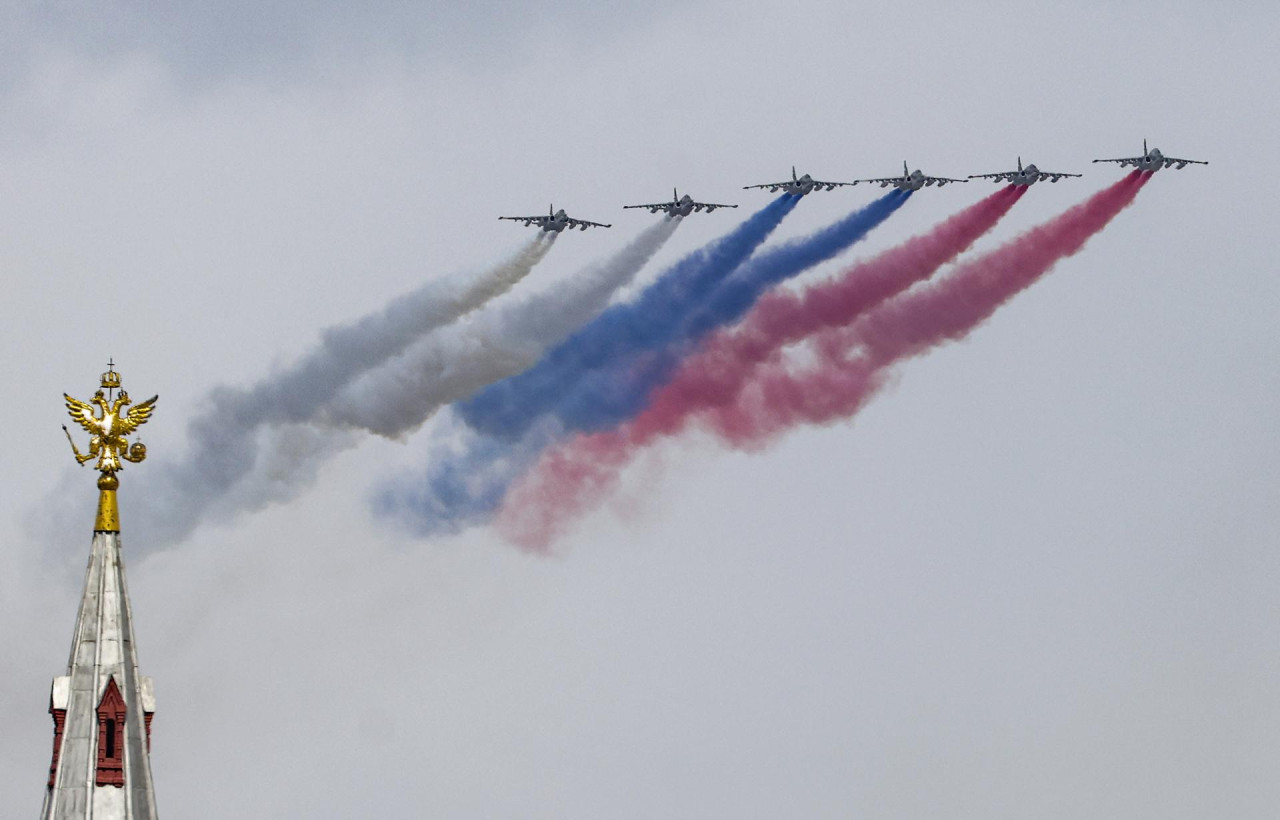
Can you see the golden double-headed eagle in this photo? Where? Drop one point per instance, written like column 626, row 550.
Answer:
column 110, row 425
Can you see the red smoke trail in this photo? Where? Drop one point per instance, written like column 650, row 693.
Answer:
column 717, row 374
column 910, row 325
column 849, row 366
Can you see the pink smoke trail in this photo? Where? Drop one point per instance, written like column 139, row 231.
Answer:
column 717, row 374
column 911, row 325
column 850, row 365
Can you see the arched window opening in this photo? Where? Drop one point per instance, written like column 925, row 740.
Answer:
column 111, row 711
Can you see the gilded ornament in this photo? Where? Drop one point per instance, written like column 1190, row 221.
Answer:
column 109, row 420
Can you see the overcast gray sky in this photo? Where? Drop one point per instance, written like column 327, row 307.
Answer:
column 1035, row 579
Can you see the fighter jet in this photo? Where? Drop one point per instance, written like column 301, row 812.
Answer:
column 910, row 180
column 1153, row 160
column 1023, row 176
column 798, row 186
column 556, row 221
column 680, row 205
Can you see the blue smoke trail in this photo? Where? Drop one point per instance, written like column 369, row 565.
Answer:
column 464, row 484
column 464, row 488
column 507, row 409
column 607, row 397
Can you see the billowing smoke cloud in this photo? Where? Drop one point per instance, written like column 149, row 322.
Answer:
column 606, row 374
column 237, row 438
column 849, row 364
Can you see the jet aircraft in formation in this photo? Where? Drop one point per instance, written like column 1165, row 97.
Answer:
column 1153, row 160
column 798, row 186
column 680, row 205
column 1023, row 176
column 910, row 180
column 556, row 221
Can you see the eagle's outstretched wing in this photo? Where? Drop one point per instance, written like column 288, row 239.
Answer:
column 138, row 415
column 82, row 413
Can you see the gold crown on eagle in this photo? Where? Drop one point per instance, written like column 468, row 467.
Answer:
column 110, row 379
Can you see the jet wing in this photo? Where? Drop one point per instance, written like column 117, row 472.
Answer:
column 1124, row 161
column 1182, row 163
column 940, row 181
column 528, row 220
column 583, row 224
column 651, row 206
column 710, row 206
column 1054, row 176
column 882, row 181
column 1003, row 176
column 772, row 186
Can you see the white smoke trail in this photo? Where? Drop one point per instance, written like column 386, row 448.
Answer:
column 347, row 351
column 249, row 447
column 507, row 339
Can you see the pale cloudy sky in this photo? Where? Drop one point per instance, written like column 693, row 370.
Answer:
column 1036, row 579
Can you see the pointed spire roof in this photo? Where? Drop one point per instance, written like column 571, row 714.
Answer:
column 102, row 706
column 103, row 769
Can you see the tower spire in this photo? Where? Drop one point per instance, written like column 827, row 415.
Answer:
column 102, row 707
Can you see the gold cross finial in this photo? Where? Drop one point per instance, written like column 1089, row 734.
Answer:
column 110, row 379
